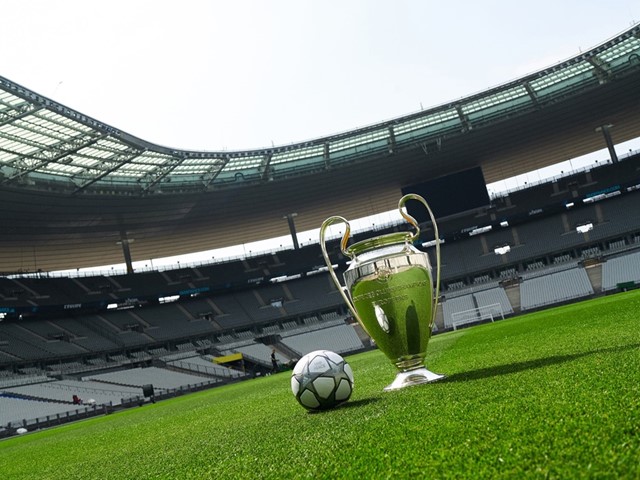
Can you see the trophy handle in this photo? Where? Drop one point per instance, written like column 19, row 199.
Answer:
column 414, row 223
column 343, row 247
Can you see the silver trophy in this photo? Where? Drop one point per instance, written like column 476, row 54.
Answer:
column 391, row 294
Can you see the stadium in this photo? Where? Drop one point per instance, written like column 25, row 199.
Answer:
column 78, row 193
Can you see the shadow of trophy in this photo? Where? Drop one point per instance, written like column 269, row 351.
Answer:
column 391, row 293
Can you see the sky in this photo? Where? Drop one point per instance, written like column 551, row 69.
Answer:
column 244, row 74
column 236, row 75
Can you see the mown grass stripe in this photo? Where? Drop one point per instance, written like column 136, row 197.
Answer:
column 553, row 394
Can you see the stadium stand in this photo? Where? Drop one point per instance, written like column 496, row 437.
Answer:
column 462, row 303
column 8, row 379
column 63, row 391
column 61, row 326
column 82, row 332
column 27, row 413
column 204, row 365
column 258, row 351
column 340, row 339
column 555, row 288
column 172, row 321
column 494, row 296
column 160, row 378
column 621, row 272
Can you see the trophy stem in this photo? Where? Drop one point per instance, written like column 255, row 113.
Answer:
column 413, row 377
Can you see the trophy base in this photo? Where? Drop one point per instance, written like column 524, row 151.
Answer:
column 413, row 377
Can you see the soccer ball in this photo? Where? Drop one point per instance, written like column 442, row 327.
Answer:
column 322, row 380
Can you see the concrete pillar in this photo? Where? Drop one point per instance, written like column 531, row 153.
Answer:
column 607, row 138
column 292, row 229
column 124, row 242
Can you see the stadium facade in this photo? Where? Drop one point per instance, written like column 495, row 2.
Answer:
column 75, row 189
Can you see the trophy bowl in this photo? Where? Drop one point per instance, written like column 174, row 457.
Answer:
column 392, row 294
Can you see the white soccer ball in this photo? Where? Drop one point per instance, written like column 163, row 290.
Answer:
column 21, row 431
column 322, row 380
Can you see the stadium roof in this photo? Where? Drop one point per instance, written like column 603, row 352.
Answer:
column 44, row 141
column 84, row 171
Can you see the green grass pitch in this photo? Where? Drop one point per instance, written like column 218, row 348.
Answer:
column 553, row 394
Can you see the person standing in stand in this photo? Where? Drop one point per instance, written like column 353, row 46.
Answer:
column 274, row 362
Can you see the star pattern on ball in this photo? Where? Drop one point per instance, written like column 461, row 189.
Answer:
column 322, row 380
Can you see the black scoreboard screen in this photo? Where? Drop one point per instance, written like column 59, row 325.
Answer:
column 449, row 195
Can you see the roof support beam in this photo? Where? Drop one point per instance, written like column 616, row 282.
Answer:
column 25, row 110
column 266, row 167
column 121, row 160
column 601, row 70
column 327, row 157
column 76, row 144
column 163, row 171
column 391, row 140
column 532, row 93
column 463, row 118
column 214, row 174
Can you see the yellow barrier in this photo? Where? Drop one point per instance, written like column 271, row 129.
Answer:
column 234, row 357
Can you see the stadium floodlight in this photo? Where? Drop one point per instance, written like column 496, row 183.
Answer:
column 478, row 231
column 584, row 228
column 432, row 243
column 169, row 299
column 502, row 250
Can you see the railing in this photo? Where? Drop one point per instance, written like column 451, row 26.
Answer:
column 57, row 419
column 555, row 178
column 78, row 388
column 556, row 301
column 16, row 381
column 164, row 393
column 212, row 370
